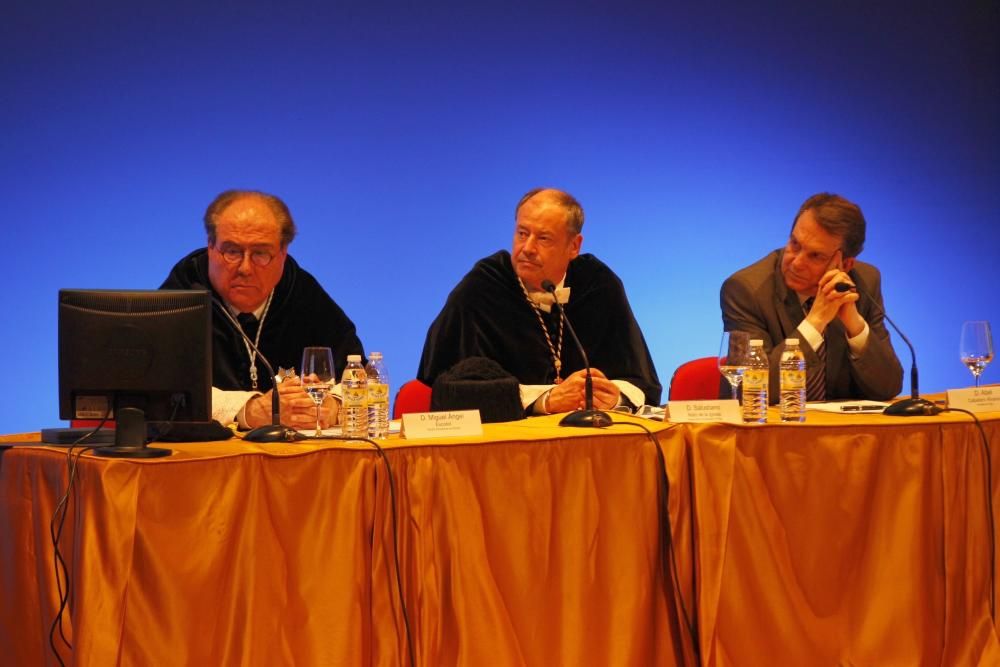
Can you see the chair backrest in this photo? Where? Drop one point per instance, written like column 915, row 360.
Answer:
column 696, row 380
column 414, row 396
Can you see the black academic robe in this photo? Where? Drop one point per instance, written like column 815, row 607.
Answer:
column 301, row 314
column 487, row 315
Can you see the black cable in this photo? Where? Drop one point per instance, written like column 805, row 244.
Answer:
column 177, row 401
column 988, row 483
column 60, row 513
column 395, row 534
column 56, row 524
column 672, row 574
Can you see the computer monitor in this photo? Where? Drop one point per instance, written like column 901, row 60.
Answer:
column 127, row 350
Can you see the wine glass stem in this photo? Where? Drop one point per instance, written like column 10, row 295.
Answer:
column 319, row 431
column 736, row 389
column 977, row 380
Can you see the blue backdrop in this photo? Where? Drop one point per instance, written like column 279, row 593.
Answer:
column 401, row 134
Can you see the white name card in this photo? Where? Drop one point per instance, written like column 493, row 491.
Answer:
column 451, row 424
column 982, row 399
column 687, row 412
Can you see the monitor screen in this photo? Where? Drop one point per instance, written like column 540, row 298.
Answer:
column 145, row 349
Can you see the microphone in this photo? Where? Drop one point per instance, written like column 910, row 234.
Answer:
column 588, row 417
column 273, row 432
column 913, row 406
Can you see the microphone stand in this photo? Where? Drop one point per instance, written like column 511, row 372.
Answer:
column 914, row 406
column 275, row 431
column 588, row 417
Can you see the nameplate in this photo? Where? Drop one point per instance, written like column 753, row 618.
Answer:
column 982, row 399
column 450, row 424
column 688, row 412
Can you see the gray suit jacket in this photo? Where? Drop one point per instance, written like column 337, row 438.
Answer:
column 756, row 300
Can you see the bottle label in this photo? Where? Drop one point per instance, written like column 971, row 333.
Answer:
column 793, row 379
column 354, row 396
column 754, row 379
column 378, row 392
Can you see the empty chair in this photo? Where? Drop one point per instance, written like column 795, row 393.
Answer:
column 414, row 396
column 696, row 380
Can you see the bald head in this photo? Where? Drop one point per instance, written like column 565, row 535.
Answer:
column 546, row 197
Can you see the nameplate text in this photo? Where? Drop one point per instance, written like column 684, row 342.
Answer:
column 447, row 424
column 975, row 399
column 687, row 412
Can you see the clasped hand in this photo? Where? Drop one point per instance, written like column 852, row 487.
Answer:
column 297, row 409
column 570, row 394
column 830, row 303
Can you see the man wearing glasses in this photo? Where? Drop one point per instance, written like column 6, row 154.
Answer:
column 791, row 293
column 279, row 306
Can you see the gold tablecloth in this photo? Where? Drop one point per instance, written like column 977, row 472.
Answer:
column 858, row 540
column 848, row 540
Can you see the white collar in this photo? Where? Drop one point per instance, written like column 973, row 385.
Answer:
column 544, row 299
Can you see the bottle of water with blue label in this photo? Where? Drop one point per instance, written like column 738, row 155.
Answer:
column 354, row 408
column 755, row 380
column 377, row 377
column 793, row 382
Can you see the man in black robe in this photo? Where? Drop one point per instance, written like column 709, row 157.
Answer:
column 500, row 311
column 279, row 305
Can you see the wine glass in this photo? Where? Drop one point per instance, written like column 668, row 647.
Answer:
column 976, row 348
column 733, row 356
column 318, row 375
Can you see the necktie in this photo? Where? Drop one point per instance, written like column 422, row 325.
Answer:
column 816, row 381
column 248, row 322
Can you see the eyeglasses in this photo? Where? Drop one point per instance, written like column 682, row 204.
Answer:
column 813, row 257
column 234, row 254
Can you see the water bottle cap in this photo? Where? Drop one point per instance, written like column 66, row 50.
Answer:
column 756, row 342
column 354, row 358
column 791, row 341
column 374, row 355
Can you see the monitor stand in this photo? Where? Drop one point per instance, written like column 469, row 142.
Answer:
column 130, row 438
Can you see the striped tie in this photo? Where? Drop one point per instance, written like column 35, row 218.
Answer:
column 816, row 382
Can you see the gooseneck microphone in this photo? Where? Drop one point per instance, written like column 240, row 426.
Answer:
column 588, row 417
column 275, row 431
column 914, row 406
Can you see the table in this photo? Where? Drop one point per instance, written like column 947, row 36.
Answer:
column 531, row 545
column 844, row 540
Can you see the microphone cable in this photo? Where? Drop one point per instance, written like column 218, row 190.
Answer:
column 56, row 524
column 988, row 484
column 668, row 542
column 395, row 534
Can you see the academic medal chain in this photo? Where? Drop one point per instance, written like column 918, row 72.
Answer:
column 251, row 353
column 554, row 350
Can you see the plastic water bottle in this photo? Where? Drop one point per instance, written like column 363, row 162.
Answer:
column 355, row 399
column 378, row 396
column 755, row 384
column 793, row 382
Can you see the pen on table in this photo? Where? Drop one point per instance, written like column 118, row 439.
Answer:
column 862, row 408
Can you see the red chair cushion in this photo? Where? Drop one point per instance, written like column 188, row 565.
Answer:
column 414, row 396
column 696, row 380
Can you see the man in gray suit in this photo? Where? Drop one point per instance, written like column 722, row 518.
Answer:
column 791, row 293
